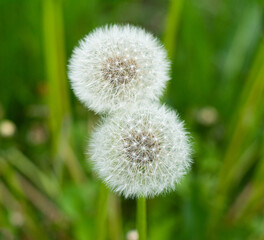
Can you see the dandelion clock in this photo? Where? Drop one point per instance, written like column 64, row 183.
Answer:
column 116, row 65
column 141, row 151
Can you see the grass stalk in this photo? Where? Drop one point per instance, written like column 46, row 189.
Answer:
column 248, row 116
column 15, row 199
column 246, row 125
column 55, row 61
column 58, row 98
column 171, row 30
column 101, row 213
column 115, row 218
column 172, row 26
column 255, row 194
column 43, row 181
column 141, row 218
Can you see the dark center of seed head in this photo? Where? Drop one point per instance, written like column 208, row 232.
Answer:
column 119, row 70
column 141, row 147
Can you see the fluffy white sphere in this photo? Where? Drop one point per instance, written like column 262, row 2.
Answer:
column 116, row 65
column 141, row 151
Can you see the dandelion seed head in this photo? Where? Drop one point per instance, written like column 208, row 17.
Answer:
column 141, row 163
column 116, row 65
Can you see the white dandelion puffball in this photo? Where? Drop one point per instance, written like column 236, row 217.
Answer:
column 116, row 65
column 141, row 151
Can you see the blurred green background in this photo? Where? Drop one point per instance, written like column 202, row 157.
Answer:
column 47, row 189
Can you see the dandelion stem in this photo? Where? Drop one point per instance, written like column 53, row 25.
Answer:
column 101, row 212
column 141, row 218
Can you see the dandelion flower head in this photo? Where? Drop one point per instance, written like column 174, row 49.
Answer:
column 116, row 65
column 142, row 151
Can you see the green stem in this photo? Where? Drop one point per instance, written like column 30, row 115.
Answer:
column 101, row 213
column 141, row 218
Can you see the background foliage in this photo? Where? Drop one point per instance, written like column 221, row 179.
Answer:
column 47, row 190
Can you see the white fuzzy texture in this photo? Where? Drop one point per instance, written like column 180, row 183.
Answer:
column 116, row 65
column 141, row 151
